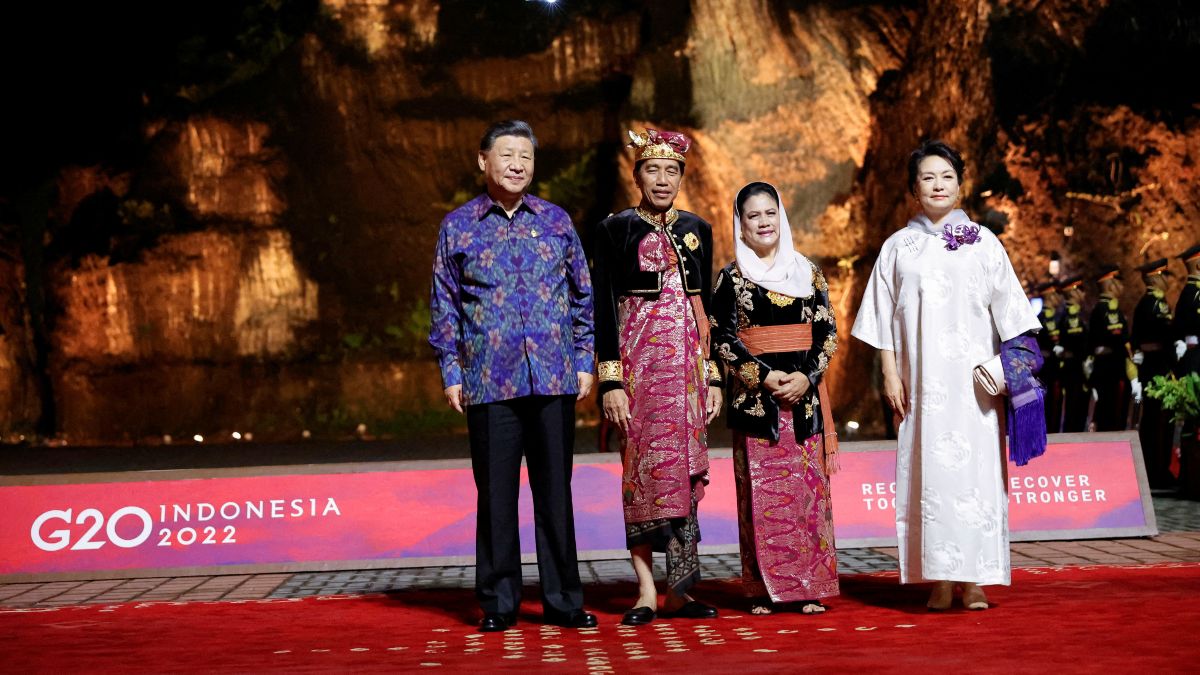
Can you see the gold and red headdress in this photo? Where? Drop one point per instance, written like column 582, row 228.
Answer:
column 654, row 144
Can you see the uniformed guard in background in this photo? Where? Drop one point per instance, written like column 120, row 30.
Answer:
column 1073, row 339
column 1048, row 340
column 1154, row 354
column 1187, row 349
column 1112, row 377
column 1187, row 316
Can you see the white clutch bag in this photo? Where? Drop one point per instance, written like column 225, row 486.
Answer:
column 990, row 376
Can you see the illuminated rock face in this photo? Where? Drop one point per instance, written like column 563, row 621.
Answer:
column 207, row 300
column 274, row 261
column 228, row 171
column 19, row 398
column 785, row 99
column 203, row 296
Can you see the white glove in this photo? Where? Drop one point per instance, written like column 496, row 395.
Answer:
column 1135, row 388
column 1138, row 357
column 1180, row 349
column 1089, row 364
column 1058, row 350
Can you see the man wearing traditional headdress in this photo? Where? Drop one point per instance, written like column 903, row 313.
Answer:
column 652, row 280
column 1154, row 354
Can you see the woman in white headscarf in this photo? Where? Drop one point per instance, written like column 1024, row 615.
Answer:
column 773, row 326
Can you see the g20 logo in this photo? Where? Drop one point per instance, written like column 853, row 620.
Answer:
column 60, row 538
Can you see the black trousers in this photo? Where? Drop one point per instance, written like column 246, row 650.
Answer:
column 1053, row 402
column 1112, row 406
column 1157, row 430
column 543, row 429
column 1075, row 397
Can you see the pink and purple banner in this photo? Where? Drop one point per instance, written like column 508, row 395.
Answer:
column 405, row 514
column 1092, row 488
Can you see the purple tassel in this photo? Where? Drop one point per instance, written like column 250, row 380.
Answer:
column 1022, row 360
column 1027, row 429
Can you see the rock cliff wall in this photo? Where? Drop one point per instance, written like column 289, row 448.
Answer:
column 260, row 256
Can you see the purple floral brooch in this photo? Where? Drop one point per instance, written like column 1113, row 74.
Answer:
column 958, row 235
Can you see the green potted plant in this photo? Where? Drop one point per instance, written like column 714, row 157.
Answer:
column 1181, row 398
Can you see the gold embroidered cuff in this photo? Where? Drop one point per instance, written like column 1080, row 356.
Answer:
column 712, row 372
column 609, row 371
column 749, row 373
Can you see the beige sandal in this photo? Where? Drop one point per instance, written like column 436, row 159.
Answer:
column 941, row 596
column 973, row 597
column 762, row 607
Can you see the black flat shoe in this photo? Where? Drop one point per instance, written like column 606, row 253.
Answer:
column 693, row 609
column 575, row 619
column 494, row 622
column 638, row 616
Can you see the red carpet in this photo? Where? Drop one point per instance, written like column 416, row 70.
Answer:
column 1076, row 619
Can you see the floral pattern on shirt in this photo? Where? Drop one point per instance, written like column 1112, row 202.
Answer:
column 511, row 303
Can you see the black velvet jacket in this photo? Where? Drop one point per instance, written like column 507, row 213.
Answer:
column 616, row 272
column 738, row 304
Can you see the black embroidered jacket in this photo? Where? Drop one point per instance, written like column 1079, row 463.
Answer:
column 616, row 272
column 739, row 304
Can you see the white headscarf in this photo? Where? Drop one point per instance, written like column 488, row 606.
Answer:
column 791, row 274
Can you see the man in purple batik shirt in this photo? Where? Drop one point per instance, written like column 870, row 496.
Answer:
column 511, row 314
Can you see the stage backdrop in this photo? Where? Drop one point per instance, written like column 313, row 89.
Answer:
column 423, row 513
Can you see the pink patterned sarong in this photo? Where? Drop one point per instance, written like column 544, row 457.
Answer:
column 785, row 516
column 663, row 365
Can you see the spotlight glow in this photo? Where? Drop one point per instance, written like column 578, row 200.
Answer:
column 198, row 438
column 852, row 425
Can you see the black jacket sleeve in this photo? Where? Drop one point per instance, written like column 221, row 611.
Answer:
column 604, row 299
column 824, row 331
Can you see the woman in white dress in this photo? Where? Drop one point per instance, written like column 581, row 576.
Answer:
column 941, row 298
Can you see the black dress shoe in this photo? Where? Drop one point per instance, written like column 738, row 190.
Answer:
column 638, row 616
column 494, row 622
column 573, row 619
column 693, row 609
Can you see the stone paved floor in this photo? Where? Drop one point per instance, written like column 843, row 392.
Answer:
column 1179, row 540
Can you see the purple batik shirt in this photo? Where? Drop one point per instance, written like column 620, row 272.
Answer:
column 511, row 304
